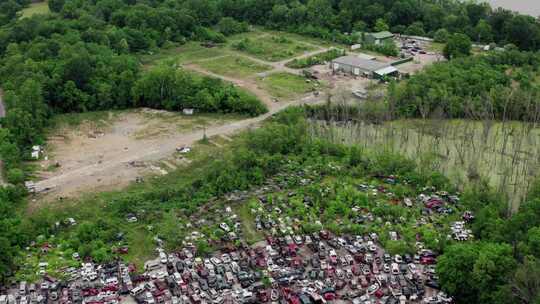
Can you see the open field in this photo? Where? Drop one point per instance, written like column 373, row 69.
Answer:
column 134, row 144
column 233, row 66
column 271, row 48
column 117, row 137
column 189, row 52
column 504, row 154
column 36, row 8
column 285, row 85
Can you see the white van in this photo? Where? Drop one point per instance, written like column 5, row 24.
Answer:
column 22, row 288
column 137, row 290
column 152, row 265
column 395, row 268
column 163, row 257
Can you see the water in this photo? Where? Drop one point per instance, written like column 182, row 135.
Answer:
column 530, row 7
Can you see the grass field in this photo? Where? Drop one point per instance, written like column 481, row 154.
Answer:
column 233, row 66
column 189, row 52
column 35, row 8
column 436, row 47
column 285, row 85
column 271, row 47
column 504, row 155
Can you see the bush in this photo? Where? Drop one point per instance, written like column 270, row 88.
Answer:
column 15, row 176
column 207, row 34
column 388, row 49
column 315, row 59
column 229, row 26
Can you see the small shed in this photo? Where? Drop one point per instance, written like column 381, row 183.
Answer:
column 378, row 38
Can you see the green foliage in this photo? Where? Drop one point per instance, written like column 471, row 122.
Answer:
column 207, row 34
column 229, row 26
column 380, row 26
column 471, row 87
column 458, row 45
column 387, row 48
column 441, row 35
column 173, row 89
column 56, row 5
column 473, row 272
column 15, row 176
column 398, row 247
column 524, row 286
column 416, row 29
column 315, row 59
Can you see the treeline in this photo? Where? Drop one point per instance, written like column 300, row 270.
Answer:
column 172, row 89
column 500, row 85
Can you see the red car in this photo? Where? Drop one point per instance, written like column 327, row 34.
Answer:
column 427, row 260
column 122, row 250
column 110, row 288
column 261, row 262
column 90, row 292
column 294, row 300
column 263, row 296
column 330, row 296
column 324, row 235
column 292, row 249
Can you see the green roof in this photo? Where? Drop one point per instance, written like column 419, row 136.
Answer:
column 382, row 35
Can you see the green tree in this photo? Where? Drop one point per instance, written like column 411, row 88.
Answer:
column 229, row 26
column 473, row 272
column 56, row 5
column 6, row 258
column 441, row 35
column 458, row 45
column 483, row 31
column 15, row 176
column 416, row 29
column 381, row 25
column 524, row 285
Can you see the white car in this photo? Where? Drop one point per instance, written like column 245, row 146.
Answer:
column 163, row 258
column 226, row 258
column 373, row 288
column 224, row 227
column 216, row 261
column 183, row 150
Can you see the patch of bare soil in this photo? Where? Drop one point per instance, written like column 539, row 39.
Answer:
column 110, row 155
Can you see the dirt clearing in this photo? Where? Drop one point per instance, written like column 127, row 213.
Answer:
column 111, row 153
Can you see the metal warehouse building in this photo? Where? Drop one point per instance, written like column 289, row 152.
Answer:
column 359, row 66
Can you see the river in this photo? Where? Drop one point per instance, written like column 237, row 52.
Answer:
column 530, row 7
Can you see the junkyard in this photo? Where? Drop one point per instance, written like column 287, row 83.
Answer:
column 289, row 265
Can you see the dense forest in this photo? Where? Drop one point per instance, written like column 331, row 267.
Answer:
column 499, row 85
column 82, row 57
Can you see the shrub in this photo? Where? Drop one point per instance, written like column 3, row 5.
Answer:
column 15, row 176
